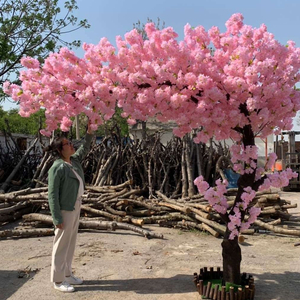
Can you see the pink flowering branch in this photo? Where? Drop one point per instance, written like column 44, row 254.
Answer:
column 244, row 160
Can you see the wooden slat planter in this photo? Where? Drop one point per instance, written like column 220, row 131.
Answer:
column 208, row 290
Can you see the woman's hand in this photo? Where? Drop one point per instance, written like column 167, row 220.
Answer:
column 89, row 130
column 59, row 226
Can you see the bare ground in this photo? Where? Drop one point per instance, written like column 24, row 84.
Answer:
column 124, row 265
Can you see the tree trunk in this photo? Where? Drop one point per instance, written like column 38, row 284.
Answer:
column 189, row 166
column 231, row 250
column 232, row 257
column 183, row 170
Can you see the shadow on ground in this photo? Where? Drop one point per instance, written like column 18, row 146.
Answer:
column 173, row 285
column 284, row 286
column 11, row 281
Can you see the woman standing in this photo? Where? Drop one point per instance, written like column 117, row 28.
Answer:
column 65, row 188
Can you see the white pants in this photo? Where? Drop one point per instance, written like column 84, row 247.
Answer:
column 64, row 244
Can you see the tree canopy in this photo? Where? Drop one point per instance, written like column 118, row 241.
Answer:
column 33, row 28
column 12, row 121
column 242, row 89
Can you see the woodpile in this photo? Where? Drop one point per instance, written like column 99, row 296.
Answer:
column 125, row 207
column 169, row 168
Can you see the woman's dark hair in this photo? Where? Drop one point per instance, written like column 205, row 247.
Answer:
column 56, row 146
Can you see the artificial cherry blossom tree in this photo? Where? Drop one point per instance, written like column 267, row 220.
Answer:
column 233, row 85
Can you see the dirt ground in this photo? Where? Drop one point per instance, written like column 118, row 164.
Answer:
column 126, row 266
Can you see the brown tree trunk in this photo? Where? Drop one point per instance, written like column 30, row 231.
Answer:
column 184, row 178
column 189, row 166
column 231, row 250
column 232, row 257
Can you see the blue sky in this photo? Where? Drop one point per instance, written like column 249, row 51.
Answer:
column 109, row 18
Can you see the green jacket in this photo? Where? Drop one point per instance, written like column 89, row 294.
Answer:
column 63, row 184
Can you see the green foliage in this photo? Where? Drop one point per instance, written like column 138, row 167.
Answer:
column 18, row 124
column 116, row 121
column 140, row 27
column 33, row 28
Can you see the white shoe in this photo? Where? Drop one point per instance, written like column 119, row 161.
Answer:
column 64, row 287
column 73, row 280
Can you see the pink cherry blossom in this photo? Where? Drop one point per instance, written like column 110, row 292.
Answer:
column 242, row 89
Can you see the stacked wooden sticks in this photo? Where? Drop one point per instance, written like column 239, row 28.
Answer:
column 125, row 207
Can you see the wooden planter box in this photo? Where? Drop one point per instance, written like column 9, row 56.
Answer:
column 209, row 288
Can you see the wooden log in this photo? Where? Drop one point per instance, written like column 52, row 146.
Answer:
column 14, row 195
column 106, row 197
column 113, row 211
column 26, row 233
column 185, row 210
column 170, row 216
column 288, row 206
column 248, row 231
column 17, row 215
column 211, row 293
column 208, row 287
column 200, row 213
column 124, row 193
column 218, row 227
column 121, row 203
column 239, row 294
column 144, row 204
column 283, row 215
column 219, row 295
column 275, row 222
column 247, row 292
column 202, row 227
column 277, row 229
column 12, row 208
column 101, row 213
column 223, row 293
column 146, row 233
column 43, row 196
column 97, row 225
column 140, row 213
column 205, row 207
column 38, row 217
column 193, row 209
column 231, row 293
column 138, row 222
column 241, row 238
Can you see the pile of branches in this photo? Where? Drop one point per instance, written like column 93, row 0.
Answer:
column 16, row 164
column 126, row 207
column 151, row 165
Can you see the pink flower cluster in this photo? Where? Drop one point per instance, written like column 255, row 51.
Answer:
column 214, row 196
column 249, row 78
column 244, row 158
column 278, row 179
column 237, row 223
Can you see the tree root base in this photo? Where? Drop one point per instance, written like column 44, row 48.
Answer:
column 209, row 284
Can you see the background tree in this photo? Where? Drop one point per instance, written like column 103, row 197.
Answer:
column 33, row 28
column 107, row 126
column 17, row 124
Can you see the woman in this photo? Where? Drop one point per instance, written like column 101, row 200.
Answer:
column 65, row 188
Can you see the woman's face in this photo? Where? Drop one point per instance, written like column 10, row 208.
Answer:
column 67, row 148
